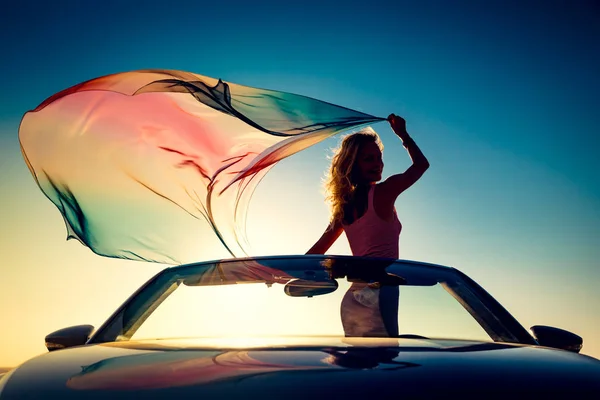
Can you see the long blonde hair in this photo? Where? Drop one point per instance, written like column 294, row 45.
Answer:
column 339, row 183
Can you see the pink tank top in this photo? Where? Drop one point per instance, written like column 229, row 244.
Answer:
column 371, row 236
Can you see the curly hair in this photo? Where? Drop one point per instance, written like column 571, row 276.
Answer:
column 339, row 183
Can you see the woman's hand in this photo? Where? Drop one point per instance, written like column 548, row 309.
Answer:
column 398, row 125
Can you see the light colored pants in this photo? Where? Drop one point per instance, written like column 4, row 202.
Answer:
column 370, row 311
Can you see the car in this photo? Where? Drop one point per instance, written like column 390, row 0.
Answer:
column 308, row 327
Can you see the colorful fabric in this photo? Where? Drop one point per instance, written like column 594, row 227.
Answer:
column 134, row 160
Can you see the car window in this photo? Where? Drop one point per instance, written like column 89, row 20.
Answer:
column 430, row 311
column 252, row 309
column 353, row 309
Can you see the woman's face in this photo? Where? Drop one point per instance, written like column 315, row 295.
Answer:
column 369, row 164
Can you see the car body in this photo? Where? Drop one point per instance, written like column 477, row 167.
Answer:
column 308, row 327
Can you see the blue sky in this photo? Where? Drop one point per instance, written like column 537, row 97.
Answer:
column 502, row 96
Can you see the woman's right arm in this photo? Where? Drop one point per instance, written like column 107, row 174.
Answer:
column 331, row 234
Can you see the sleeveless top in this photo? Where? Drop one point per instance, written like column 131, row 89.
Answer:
column 371, row 236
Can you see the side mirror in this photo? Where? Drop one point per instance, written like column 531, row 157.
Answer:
column 69, row 337
column 557, row 338
column 307, row 288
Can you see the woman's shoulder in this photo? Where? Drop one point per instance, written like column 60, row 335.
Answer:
column 379, row 188
column 385, row 191
column 383, row 201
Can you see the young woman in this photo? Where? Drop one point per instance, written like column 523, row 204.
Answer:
column 361, row 206
column 364, row 208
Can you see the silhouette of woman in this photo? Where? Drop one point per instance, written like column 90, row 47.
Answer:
column 363, row 208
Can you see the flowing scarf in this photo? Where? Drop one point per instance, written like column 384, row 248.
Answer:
column 136, row 162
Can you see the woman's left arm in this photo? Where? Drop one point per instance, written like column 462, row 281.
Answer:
column 398, row 183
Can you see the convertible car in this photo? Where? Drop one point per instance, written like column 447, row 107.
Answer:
column 308, row 327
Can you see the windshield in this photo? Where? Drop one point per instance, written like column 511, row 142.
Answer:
column 307, row 296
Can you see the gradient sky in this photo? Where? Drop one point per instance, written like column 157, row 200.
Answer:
column 502, row 97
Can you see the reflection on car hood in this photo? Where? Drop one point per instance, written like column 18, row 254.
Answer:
column 301, row 368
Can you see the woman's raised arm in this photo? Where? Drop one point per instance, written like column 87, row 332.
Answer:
column 398, row 183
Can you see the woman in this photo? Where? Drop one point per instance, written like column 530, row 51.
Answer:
column 364, row 209
column 352, row 187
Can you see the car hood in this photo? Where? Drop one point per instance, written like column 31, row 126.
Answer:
column 316, row 367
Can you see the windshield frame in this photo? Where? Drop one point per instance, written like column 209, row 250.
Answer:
column 500, row 325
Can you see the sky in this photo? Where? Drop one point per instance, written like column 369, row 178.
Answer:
column 501, row 96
